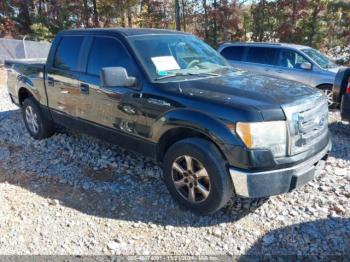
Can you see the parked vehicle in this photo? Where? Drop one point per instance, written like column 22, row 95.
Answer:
column 341, row 92
column 218, row 132
column 294, row 62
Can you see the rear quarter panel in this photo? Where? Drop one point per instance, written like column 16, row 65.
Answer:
column 28, row 75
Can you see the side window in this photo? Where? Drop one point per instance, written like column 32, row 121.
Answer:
column 290, row 59
column 108, row 52
column 67, row 53
column 261, row 55
column 233, row 52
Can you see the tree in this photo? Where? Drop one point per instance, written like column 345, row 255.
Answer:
column 337, row 19
column 177, row 15
column 263, row 21
column 205, row 7
column 289, row 13
column 95, row 13
column 319, row 23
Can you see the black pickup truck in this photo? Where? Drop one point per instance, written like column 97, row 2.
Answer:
column 217, row 131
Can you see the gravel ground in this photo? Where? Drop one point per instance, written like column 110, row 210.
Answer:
column 74, row 194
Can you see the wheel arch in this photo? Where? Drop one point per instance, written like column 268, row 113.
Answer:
column 174, row 135
column 23, row 93
column 324, row 85
column 184, row 123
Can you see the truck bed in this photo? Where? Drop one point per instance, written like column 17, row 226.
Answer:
column 27, row 73
column 36, row 62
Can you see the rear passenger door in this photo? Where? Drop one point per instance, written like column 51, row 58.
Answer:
column 234, row 55
column 62, row 85
column 260, row 60
column 113, row 107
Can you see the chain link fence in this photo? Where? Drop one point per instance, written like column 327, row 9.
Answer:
column 15, row 49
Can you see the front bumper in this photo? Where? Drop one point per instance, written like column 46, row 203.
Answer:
column 278, row 181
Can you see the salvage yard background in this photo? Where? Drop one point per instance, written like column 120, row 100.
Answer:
column 77, row 195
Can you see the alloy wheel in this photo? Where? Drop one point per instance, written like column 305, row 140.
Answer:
column 191, row 179
column 32, row 120
column 329, row 96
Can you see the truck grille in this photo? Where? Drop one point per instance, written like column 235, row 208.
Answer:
column 307, row 123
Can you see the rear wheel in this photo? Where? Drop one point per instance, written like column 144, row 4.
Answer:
column 37, row 125
column 328, row 91
column 196, row 175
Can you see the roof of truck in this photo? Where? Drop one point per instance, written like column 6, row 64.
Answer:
column 264, row 44
column 126, row 31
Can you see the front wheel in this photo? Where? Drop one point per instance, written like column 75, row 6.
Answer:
column 196, row 176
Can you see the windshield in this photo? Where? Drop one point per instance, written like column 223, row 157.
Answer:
column 319, row 58
column 175, row 55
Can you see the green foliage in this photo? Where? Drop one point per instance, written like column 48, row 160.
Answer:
column 317, row 23
column 40, row 32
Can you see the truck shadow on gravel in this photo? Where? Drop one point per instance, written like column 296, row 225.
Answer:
column 47, row 169
column 125, row 206
column 326, row 239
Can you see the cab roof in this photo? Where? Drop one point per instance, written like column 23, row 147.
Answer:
column 124, row 31
column 265, row 44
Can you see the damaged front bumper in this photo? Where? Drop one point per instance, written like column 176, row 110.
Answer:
column 278, row 181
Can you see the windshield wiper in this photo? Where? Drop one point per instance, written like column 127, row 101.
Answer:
column 186, row 74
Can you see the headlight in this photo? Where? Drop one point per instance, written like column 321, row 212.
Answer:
column 264, row 135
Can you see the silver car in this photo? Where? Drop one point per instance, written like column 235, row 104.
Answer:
column 294, row 62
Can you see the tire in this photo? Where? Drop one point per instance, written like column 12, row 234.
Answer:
column 37, row 125
column 328, row 91
column 215, row 178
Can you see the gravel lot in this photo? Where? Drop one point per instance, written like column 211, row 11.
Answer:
column 74, row 194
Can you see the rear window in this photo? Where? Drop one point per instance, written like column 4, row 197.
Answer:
column 233, row 52
column 67, row 53
column 262, row 55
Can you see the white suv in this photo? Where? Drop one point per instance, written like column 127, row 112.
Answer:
column 294, row 62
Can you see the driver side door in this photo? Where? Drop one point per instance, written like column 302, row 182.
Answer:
column 113, row 107
column 288, row 67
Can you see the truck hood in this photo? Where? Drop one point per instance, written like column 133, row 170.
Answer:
column 247, row 88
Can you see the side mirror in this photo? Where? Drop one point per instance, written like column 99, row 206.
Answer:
column 116, row 77
column 306, row 66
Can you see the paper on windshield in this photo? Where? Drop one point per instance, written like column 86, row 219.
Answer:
column 165, row 63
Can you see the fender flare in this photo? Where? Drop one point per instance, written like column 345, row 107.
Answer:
column 24, row 83
column 198, row 121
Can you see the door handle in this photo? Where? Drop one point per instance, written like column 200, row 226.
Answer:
column 50, row 81
column 84, row 89
column 279, row 71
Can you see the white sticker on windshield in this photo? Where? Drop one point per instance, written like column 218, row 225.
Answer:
column 165, row 63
